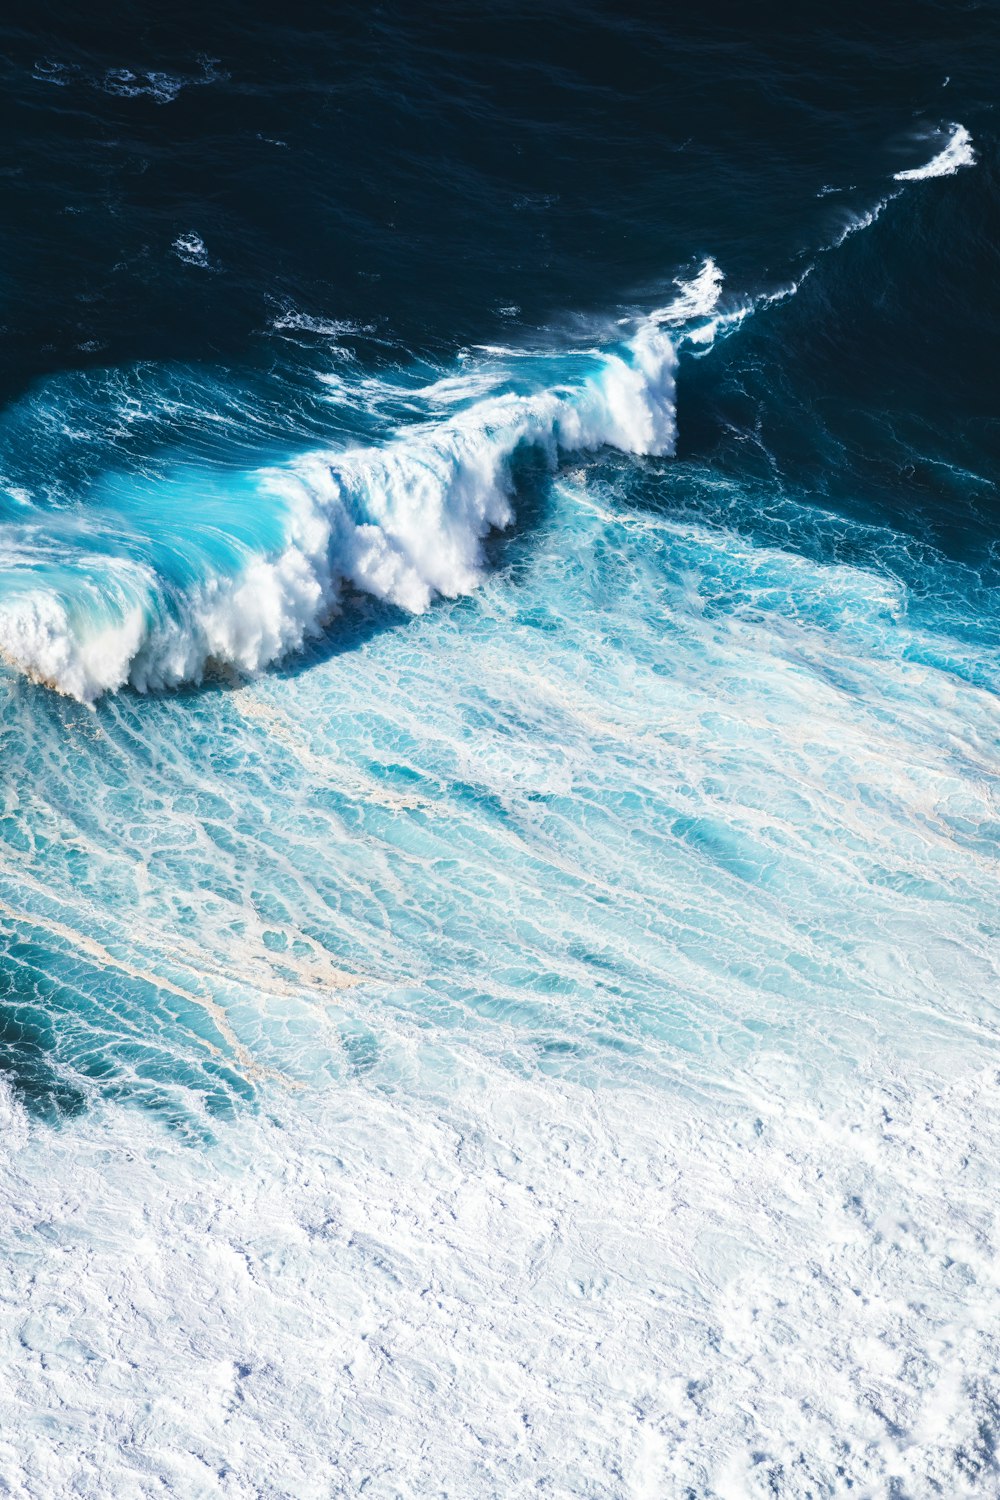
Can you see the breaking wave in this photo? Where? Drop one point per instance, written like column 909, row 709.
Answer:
column 163, row 581
column 957, row 153
column 139, row 590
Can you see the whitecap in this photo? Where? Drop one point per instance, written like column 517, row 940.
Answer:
column 864, row 220
column 46, row 71
column 291, row 321
column 697, row 297
column 190, row 247
column 957, row 153
column 155, row 84
column 404, row 522
column 161, row 87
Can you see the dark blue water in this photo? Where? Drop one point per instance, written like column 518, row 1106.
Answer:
column 499, row 735
column 422, row 175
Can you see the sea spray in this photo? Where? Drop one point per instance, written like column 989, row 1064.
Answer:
column 403, row 522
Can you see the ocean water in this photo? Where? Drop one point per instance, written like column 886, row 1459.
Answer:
column 499, row 717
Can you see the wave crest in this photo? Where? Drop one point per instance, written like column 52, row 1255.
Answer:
column 403, row 522
column 956, row 154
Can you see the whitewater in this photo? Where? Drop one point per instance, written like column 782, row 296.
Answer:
column 138, row 589
column 538, row 1034
column 404, row 523
column 575, row 987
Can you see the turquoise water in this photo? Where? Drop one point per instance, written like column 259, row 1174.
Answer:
column 526, row 992
column 657, row 795
column 499, row 729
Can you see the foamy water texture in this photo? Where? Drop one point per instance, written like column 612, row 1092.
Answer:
column 241, row 578
column 610, row 958
column 957, row 153
column 518, row 1015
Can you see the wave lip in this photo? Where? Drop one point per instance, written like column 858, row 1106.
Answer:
column 700, row 313
column 697, row 296
column 403, row 522
column 956, row 154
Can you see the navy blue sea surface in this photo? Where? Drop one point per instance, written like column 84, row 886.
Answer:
column 499, row 727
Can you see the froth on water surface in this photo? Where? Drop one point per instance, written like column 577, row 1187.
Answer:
column 498, row 919
column 601, row 971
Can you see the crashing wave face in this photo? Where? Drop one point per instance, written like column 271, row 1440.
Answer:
column 249, row 581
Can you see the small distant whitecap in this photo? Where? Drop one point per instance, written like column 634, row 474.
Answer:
column 47, row 71
column 190, row 248
column 155, row 84
column 291, row 321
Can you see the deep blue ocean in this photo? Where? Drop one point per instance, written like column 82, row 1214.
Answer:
column 500, row 733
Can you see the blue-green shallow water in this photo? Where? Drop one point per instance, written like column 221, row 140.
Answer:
column 499, row 729
column 656, row 791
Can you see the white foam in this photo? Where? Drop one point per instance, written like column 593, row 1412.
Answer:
column 451, row 390
column 635, row 1295
column 864, row 220
column 16, row 492
column 956, row 154
column 697, row 297
column 161, row 87
column 47, row 71
column 699, row 314
column 298, row 322
column 403, row 522
column 190, row 247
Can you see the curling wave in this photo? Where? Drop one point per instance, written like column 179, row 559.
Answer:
column 956, row 154
column 139, row 590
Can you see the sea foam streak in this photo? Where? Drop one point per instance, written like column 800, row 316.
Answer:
column 403, row 522
column 656, row 1146
column 696, row 298
column 956, row 154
